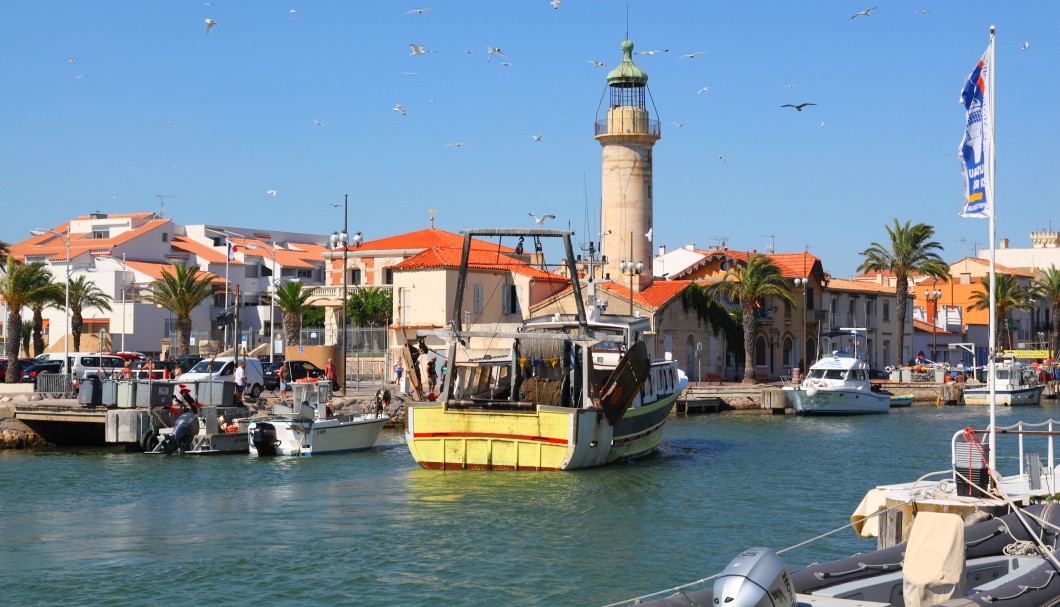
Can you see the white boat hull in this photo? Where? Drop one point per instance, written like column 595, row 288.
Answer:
column 1031, row 395
column 837, row 401
column 287, row 436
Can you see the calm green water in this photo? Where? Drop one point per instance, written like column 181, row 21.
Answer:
column 103, row 527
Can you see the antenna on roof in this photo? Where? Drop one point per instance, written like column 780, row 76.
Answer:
column 773, row 243
column 431, row 216
column 162, row 203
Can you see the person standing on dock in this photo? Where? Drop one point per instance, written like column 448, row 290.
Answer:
column 281, row 377
column 241, row 380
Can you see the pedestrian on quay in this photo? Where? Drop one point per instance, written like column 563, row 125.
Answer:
column 281, row 376
column 241, row 380
column 432, row 375
column 329, row 372
column 148, row 369
column 398, row 368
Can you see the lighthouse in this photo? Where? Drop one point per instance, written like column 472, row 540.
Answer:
column 627, row 135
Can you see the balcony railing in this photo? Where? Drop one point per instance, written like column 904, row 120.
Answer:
column 654, row 128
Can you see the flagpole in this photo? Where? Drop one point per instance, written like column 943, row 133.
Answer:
column 991, row 160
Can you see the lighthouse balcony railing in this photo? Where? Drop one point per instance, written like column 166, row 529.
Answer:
column 654, row 128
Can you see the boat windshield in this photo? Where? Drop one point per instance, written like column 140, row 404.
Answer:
column 826, row 373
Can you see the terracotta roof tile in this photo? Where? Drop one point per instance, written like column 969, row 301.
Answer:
column 202, row 251
column 842, row 284
column 54, row 248
column 448, row 257
column 426, row 239
column 154, row 269
column 658, row 294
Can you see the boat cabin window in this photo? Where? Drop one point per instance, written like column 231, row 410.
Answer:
column 608, row 346
column 1002, row 373
column 826, row 374
column 859, row 374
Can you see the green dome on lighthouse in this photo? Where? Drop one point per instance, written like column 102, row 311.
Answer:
column 627, row 74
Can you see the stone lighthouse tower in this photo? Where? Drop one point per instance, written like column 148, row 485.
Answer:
column 627, row 136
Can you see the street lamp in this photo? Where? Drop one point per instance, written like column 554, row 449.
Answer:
column 933, row 295
column 272, row 296
column 124, row 267
column 66, row 331
column 804, row 283
column 630, row 268
column 343, row 238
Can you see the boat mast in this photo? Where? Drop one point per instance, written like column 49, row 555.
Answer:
column 993, row 270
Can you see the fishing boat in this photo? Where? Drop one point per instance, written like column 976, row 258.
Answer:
column 838, row 384
column 307, row 427
column 1001, row 562
column 186, row 426
column 570, row 392
column 1014, row 384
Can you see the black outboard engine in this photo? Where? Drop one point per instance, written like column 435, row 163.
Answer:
column 382, row 401
column 264, row 438
column 186, row 426
column 755, row 578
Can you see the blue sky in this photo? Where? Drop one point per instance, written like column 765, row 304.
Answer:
column 153, row 105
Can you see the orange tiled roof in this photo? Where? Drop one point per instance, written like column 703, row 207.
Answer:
column 927, row 327
column 658, row 294
column 842, row 284
column 297, row 255
column 449, row 257
column 53, row 247
column 998, row 267
column 426, row 239
column 206, row 253
column 154, row 270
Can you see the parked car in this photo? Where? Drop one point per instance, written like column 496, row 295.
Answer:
column 30, row 373
column 265, row 362
column 188, row 360
column 133, row 356
column 296, row 369
column 22, row 364
column 223, row 368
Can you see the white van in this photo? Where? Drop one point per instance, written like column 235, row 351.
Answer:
column 84, row 364
column 223, row 368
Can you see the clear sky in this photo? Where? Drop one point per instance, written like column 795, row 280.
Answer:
column 106, row 105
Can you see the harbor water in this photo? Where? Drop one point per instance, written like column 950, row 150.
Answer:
column 105, row 527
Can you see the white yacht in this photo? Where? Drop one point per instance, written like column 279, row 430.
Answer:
column 838, row 384
column 1015, row 384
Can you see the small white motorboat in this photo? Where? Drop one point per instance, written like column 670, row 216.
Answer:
column 838, row 384
column 1015, row 384
column 307, row 427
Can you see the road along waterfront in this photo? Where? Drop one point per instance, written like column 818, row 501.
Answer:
column 104, row 527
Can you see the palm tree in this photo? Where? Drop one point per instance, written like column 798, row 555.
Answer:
column 292, row 300
column 180, row 292
column 84, row 294
column 19, row 284
column 751, row 284
column 51, row 296
column 1047, row 287
column 910, row 251
column 1007, row 296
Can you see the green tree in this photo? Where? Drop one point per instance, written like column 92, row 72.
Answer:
column 370, row 306
column 1047, row 287
column 909, row 251
column 84, row 294
column 52, row 294
column 750, row 285
column 313, row 316
column 19, row 284
column 292, row 300
column 1007, row 296
column 180, row 292
column 694, row 298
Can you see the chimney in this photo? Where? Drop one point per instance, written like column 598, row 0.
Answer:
column 662, row 250
column 690, row 247
column 1003, row 244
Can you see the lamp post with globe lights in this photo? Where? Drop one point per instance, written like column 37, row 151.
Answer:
column 336, row 240
column 66, row 330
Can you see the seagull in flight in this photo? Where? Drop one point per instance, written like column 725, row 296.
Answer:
column 703, row 90
column 922, row 11
column 541, row 220
column 1025, row 46
column 209, row 25
column 821, row 126
column 317, row 122
column 865, row 13
column 417, row 11
column 72, row 59
column 271, row 192
column 491, row 50
column 293, row 13
column 651, row 230
column 653, row 52
column 555, row 4
column 535, row 137
column 417, row 49
column 598, row 64
column 455, row 145
column 791, row 86
column 799, row 106
column 693, row 55
column 400, row 109
column 679, row 124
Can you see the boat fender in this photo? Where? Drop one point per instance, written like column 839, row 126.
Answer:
column 755, row 578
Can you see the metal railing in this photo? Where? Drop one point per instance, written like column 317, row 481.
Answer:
column 56, row 385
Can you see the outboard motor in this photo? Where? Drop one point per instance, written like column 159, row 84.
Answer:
column 382, row 401
column 186, row 426
column 264, row 439
column 755, row 578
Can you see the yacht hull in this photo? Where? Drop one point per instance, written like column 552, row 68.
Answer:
column 284, row 436
column 444, row 437
column 1031, row 395
column 837, row 401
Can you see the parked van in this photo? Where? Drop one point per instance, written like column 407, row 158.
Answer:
column 223, row 368
column 85, row 364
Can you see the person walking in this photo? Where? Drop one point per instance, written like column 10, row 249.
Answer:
column 281, row 376
column 241, row 380
column 329, row 372
column 399, row 367
column 432, row 375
